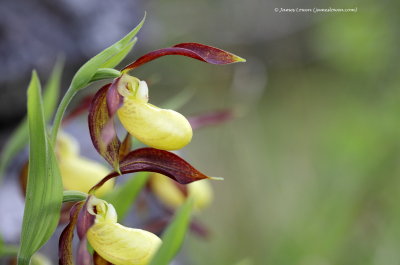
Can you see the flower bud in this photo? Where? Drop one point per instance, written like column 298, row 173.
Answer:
column 168, row 192
column 118, row 244
column 159, row 128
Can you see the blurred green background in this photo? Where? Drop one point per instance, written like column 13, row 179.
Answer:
column 311, row 166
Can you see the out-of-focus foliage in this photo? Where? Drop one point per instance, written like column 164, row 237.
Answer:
column 174, row 235
column 311, row 170
column 364, row 43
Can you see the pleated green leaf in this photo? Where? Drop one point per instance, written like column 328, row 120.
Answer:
column 20, row 136
column 124, row 196
column 44, row 189
column 173, row 237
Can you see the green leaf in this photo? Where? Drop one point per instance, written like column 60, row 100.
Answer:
column 116, row 59
column 174, row 235
column 74, row 196
column 20, row 136
column 44, row 188
column 85, row 74
column 123, row 197
column 105, row 59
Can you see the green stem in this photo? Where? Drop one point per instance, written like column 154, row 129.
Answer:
column 60, row 113
column 101, row 74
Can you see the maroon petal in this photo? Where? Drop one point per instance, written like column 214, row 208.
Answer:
column 83, row 256
column 65, row 242
column 85, row 221
column 211, row 118
column 196, row 51
column 101, row 127
column 155, row 160
column 113, row 98
column 126, row 146
column 199, row 229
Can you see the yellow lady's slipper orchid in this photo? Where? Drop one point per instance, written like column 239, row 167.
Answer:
column 168, row 192
column 77, row 172
column 118, row 244
column 159, row 128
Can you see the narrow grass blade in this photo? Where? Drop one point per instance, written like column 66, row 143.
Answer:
column 44, row 189
column 174, row 235
column 52, row 90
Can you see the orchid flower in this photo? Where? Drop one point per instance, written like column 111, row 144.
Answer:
column 116, row 243
column 96, row 222
column 128, row 98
